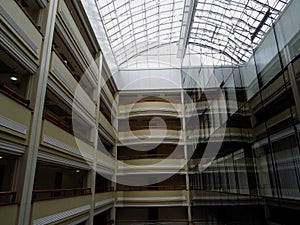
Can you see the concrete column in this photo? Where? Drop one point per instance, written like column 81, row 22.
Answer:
column 186, row 156
column 114, row 180
column 92, row 173
column 29, row 159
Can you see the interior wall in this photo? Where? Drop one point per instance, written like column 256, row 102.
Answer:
column 148, row 79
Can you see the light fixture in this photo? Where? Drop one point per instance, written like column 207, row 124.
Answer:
column 13, row 78
column 77, row 171
column 1, row 157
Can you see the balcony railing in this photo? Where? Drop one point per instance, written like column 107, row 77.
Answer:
column 154, row 222
column 137, row 127
column 49, row 117
column 151, row 108
column 150, row 156
column 7, row 197
column 151, row 187
column 14, row 95
column 16, row 118
column 27, row 34
column 111, row 222
column 104, row 189
column 39, row 195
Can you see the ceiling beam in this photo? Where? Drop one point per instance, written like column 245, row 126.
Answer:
column 187, row 21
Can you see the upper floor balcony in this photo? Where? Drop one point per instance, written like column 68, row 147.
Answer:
column 15, row 117
column 60, row 210
column 20, row 34
column 151, row 198
column 150, row 136
column 150, row 108
column 62, row 78
column 70, row 31
column 56, row 137
column 12, row 211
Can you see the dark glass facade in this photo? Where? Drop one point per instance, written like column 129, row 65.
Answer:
column 245, row 163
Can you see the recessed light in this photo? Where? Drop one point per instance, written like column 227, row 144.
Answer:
column 1, row 157
column 13, row 78
column 77, row 171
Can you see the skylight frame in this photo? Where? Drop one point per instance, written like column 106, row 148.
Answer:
column 127, row 24
column 239, row 19
column 216, row 27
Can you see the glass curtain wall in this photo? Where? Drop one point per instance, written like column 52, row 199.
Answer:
column 257, row 162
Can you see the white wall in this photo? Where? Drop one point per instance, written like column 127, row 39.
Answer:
column 148, row 79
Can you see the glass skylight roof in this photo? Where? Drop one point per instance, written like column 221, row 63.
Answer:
column 232, row 27
column 222, row 29
column 136, row 26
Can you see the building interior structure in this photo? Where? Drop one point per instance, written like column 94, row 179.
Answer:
column 179, row 112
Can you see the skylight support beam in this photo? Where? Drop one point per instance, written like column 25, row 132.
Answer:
column 264, row 19
column 187, row 21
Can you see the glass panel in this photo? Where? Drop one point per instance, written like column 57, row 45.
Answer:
column 249, row 77
column 264, row 168
column 287, row 158
column 231, row 174
column 241, row 170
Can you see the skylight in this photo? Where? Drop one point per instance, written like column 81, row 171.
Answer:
column 232, row 28
column 136, row 26
column 225, row 30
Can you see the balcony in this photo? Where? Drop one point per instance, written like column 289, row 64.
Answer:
column 7, row 198
column 60, row 73
column 83, row 52
column 148, row 167
column 106, row 125
column 154, row 222
column 39, row 195
column 59, row 210
column 25, row 33
column 58, row 138
column 129, row 158
column 104, row 200
column 150, row 108
column 150, row 136
column 12, row 211
column 152, row 198
column 108, row 95
column 15, row 118
column 167, row 161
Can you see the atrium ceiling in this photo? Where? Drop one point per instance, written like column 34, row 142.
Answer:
column 224, row 31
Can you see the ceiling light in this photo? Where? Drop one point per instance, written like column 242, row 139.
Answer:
column 1, row 157
column 14, row 78
column 77, row 171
